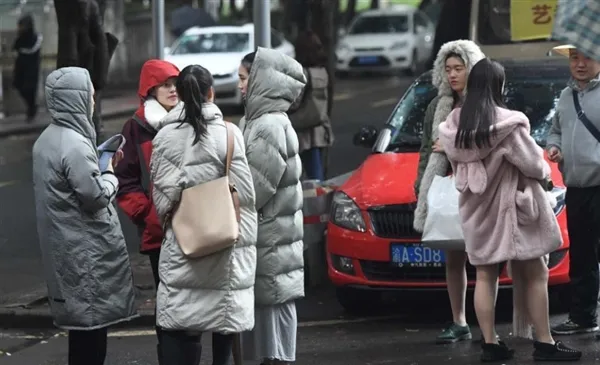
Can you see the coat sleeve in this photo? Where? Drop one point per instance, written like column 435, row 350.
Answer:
column 94, row 190
column 425, row 150
column 526, row 155
column 132, row 198
column 555, row 134
column 267, row 159
column 166, row 177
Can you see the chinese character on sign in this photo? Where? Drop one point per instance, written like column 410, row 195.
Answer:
column 542, row 14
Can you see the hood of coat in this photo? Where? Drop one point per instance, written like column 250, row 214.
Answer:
column 275, row 82
column 470, row 53
column 471, row 172
column 154, row 73
column 69, row 95
column 210, row 112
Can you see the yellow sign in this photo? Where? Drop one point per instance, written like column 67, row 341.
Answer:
column 531, row 19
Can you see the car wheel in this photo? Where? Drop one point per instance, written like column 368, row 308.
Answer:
column 414, row 65
column 356, row 301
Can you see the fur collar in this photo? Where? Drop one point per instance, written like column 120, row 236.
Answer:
column 154, row 112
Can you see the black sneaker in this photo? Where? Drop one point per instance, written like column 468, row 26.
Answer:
column 554, row 352
column 454, row 333
column 569, row 327
column 491, row 352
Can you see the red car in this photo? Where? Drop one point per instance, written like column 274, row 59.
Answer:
column 371, row 243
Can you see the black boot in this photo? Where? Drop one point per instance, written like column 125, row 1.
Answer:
column 554, row 352
column 496, row 352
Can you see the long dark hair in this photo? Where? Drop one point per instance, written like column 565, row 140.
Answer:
column 248, row 60
column 309, row 50
column 478, row 112
column 193, row 86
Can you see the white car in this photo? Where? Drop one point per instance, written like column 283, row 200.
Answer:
column 220, row 49
column 398, row 38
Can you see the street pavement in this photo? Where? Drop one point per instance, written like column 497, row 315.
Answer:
column 357, row 102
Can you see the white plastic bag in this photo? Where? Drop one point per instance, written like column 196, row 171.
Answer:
column 443, row 228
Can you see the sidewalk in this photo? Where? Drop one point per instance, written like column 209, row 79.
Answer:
column 112, row 107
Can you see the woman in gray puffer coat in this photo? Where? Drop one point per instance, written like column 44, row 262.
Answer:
column 86, row 264
column 213, row 293
column 270, row 82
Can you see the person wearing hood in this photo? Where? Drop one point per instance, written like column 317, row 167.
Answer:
column 270, row 82
column 213, row 293
column 157, row 96
column 26, row 71
column 450, row 72
column 505, row 211
column 86, row 263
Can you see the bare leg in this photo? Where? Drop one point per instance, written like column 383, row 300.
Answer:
column 456, row 281
column 486, row 290
column 535, row 274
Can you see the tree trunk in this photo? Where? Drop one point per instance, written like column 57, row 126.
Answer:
column 350, row 11
column 249, row 10
column 374, row 4
column 82, row 42
column 322, row 14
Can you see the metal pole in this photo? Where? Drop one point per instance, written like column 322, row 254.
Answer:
column 262, row 23
column 158, row 28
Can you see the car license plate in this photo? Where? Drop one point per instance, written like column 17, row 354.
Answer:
column 416, row 255
column 368, row 60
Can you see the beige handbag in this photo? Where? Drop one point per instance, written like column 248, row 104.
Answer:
column 208, row 215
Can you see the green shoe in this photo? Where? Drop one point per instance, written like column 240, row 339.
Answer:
column 454, row 333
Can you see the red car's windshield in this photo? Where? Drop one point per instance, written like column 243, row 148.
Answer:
column 536, row 97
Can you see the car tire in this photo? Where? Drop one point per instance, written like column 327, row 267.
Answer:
column 356, row 301
column 414, row 65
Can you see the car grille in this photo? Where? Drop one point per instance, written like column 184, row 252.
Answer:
column 387, row 271
column 381, row 61
column 372, row 49
column 394, row 221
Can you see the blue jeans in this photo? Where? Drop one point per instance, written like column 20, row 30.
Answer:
column 312, row 162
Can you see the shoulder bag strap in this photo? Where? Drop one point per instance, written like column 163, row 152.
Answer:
column 230, row 146
column 145, row 174
column 584, row 119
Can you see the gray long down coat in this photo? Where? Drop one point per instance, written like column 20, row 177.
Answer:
column 86, row 264
column 214, row 293
column 274, row 83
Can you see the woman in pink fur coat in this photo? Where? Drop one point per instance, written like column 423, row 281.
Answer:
column 506, row 214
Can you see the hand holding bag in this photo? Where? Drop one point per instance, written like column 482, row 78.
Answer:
column 208, row 215
column 443, row 227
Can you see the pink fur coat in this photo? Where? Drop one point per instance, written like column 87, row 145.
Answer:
column 506, row 214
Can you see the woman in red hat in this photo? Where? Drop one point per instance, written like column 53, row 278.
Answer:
column 157, row 97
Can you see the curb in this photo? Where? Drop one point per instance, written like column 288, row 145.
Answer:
column 36, row 128
column 21, row 318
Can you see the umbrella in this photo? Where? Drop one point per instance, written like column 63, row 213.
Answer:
column 186, row 17
column 577, row 24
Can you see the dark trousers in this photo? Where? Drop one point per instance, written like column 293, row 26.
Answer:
column 154, row 257
column 183, row 348
column 583, row 223
column 87, row 347
column 312, row 163
column 29, row 95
